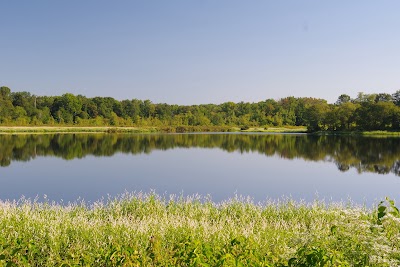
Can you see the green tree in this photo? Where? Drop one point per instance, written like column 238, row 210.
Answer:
column 342, row 99
column 383, row 97
column 375, row 116
column 105, row 106
column 71, row 104
column 5, row 93
column 396, row 118
column 147, row 109
column 315, row 116
column 346, row 115
column 288, row 106
column 396, row 98
column 365, row 98
column 6, row 106
column 332, row 120
column 25, row 100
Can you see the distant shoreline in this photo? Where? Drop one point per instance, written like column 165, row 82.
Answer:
column 359, row 133
column 168, row 129
column 181, row 129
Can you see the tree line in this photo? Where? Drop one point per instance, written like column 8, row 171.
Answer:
column 364, row 112
column 365, row 154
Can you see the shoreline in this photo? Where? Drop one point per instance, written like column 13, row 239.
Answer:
column 185, row 129
column 120, row 129
column 374, row 133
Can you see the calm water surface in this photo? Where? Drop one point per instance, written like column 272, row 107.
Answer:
column 66, row 167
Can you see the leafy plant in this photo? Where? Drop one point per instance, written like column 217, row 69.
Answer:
column 386, row 207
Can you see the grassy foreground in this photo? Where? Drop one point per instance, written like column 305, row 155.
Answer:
column 147, row 230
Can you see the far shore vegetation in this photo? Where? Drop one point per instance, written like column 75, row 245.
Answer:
column 150, row 230
column 130, row 129
column 371, row 113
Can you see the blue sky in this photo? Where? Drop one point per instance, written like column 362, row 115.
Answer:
column 203, row 51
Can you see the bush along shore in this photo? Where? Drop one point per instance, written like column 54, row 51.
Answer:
column 149, row 230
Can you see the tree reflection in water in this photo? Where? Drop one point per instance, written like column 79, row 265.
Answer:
column 366, row 154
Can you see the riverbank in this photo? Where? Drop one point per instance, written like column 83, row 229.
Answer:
column 183, row 129
column 360, row 133
column 148, row 230
column 73, row 129
column 167, row 129
column 292, row 129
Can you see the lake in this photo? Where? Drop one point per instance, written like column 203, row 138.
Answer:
column 68, row 167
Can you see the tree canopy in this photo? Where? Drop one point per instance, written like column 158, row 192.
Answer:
column 364, row 112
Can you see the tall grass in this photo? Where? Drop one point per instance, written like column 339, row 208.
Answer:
column 149, row 230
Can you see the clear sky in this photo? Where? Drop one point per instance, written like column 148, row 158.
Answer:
column 200, row 51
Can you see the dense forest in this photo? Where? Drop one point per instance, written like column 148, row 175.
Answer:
column 377, row 155
column 365, row 112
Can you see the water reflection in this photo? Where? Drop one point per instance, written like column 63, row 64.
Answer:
column 365, row 154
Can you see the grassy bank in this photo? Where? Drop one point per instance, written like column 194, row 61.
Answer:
column 381, row 133
column 73, row 129
column 166, row 129
column 360, row 133
column 292, row 129
column 147, row 230
column 109, row 129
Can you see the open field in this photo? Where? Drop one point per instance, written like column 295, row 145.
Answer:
column 148, row 230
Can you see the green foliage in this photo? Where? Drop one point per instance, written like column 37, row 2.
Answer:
column 343, row 99
column 387, row 207
column 5, row 93
column 149, row 230
column 311, row 256
column 316, row 117
column 365, row 112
